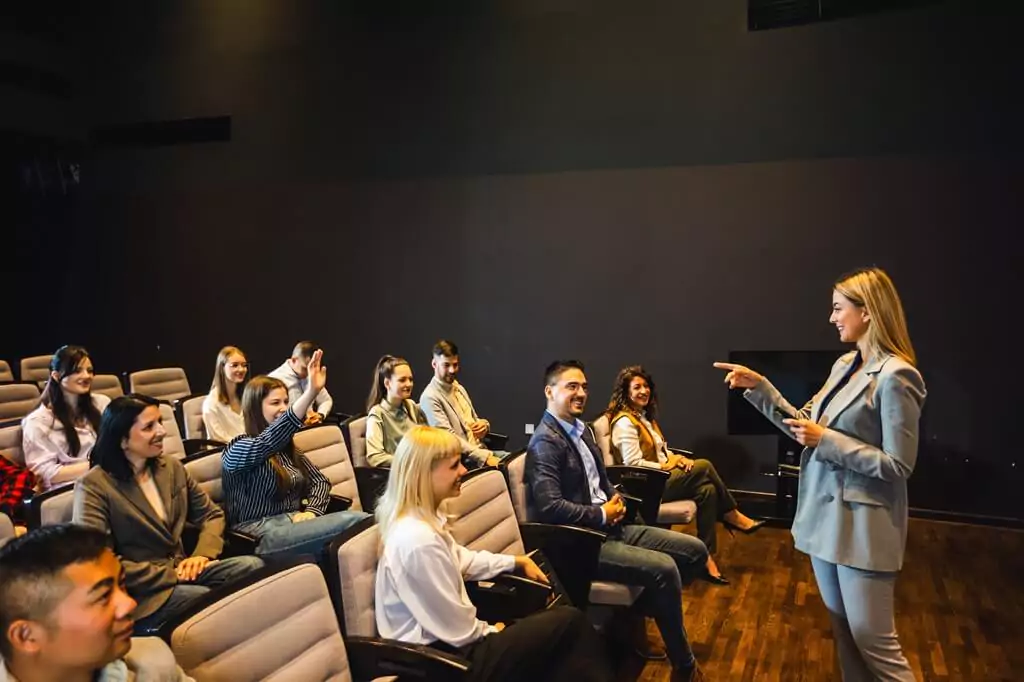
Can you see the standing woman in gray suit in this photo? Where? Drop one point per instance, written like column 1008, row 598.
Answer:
column 860, row 434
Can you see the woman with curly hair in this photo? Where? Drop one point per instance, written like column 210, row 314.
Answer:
column 637, row 441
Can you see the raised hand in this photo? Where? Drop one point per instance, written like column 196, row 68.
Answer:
column 739, row 376
column 316, row 373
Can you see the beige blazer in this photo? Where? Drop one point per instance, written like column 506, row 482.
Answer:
column 852, row 500
column 149, row 548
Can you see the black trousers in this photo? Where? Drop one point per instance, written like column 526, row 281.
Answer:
column 555, row 644
column 703, row 485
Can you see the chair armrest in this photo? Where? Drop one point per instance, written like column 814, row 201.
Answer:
column 680, row 451
column 645, row 483
column 507, row 597
column 196, row 445
column 338, row 503
column 371, row 481
column 495, row 441
column 237, row 543
column 371, row 657
column 570, row 551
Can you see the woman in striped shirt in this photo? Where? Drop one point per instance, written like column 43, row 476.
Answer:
column 271, row 491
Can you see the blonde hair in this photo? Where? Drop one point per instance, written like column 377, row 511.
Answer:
column 873, row 290
column 220, row 382
column 410, row 489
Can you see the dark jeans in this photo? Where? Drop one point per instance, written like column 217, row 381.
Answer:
column 556, row 644
column 703, row 485
column 661, row 561
column 214, row 575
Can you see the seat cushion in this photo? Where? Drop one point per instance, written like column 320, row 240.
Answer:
column 680, row 511
column 17, row 400
column 482, row 517
column 325, row 448
column 614, row 594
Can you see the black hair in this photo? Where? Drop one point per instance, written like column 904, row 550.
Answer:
column 65, row 361
column 445, row 348
column 117, row 422
column 558, row 367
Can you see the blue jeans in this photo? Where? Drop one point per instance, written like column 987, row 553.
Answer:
column 860, row 605
column 215, row 574
column 280, row 535
column 661, row 560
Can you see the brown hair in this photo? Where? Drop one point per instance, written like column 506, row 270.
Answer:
column 873, row 290
column 220, row 382
column 385, row 368
column 255, row 393
column 620, row 392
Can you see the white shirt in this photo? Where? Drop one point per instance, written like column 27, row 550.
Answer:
column 221, row 422
column 152, row 495
column 626, row 438
column 296, row 387
column 46, row 447
column 421, row 591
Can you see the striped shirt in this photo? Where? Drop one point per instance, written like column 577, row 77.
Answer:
column 250, row 486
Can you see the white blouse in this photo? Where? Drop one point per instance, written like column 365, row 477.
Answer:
column 626, row 438
column 221, row 422
column 421, row 591
column 46, row 447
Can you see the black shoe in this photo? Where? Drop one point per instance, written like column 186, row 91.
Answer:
column 758, row 525
column 715, row 579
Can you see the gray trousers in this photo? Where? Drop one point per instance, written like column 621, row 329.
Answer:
column 860, row 604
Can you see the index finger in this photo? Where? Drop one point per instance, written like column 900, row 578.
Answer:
column 726, row 365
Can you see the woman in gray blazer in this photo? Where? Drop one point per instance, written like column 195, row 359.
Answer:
column 143, row 500
column 860, row 434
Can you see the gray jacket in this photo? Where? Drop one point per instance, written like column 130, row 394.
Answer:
column 442, row 413
column 852, row 501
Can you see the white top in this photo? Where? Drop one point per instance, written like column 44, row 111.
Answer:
column 221, row 422
column 152, row 494
column 626, row 438
column 296, row 387
column 421, row 591
column 46, row 448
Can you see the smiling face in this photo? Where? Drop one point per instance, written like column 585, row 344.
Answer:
column 639, row 393
column 235, row 368
column 399, row 384
column 275, row 404
column 78, row 382
column 850, row 319
column 446, row 368
column 567, row 396
column 446, row 478
column 90, row 627
column 145, row 440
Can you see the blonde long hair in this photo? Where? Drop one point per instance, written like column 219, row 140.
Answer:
column 873, row 290
column 410, row 488
column 220, row 382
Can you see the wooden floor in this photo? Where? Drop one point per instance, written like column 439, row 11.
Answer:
column 959, row 606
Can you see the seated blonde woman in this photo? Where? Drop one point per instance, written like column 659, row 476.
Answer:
column 637, row 439
column 421, row 595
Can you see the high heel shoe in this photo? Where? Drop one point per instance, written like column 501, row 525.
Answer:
column 732, row 527
column 715, row 579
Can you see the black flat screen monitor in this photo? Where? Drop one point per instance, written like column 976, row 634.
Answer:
column 797, row 374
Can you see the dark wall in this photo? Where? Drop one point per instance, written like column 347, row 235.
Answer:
column 596, row 180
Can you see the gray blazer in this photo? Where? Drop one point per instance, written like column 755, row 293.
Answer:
column 852, row 503
column 442, row 413
column 149, row 548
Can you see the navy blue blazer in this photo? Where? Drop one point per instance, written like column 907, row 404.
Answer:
column 556, row 482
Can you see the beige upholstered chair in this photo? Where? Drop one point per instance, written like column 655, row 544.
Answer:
column 370, row 480
column 638, row 480
column 325, row 447
column 17, row 400
column 108, row 385
column 35, row 369
column 167, row 383
column 6, row 529
column 192, row 416
column 173, row 445
column 56, row 505
column 10, row 441
column 6, row 375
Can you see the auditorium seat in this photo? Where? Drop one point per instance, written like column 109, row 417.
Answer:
column 174, row 445
column 6, row 529
column 370, row 480
column 325, row 448
column 10, row 441
column 36, row 369
column 191, row 412
column 108, row 385
column 207, row 469
column 6, row 375
column 644, row 482
column 166, row 383
column 56, row 505
column 352, row 577
column 17, row 400
column 568, row 563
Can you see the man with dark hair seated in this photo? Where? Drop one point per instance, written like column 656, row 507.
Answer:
column 66, row 617
column 447, row 406
column 567, row 484
column 293, row 373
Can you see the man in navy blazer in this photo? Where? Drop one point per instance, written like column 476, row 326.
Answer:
column 567, row 484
